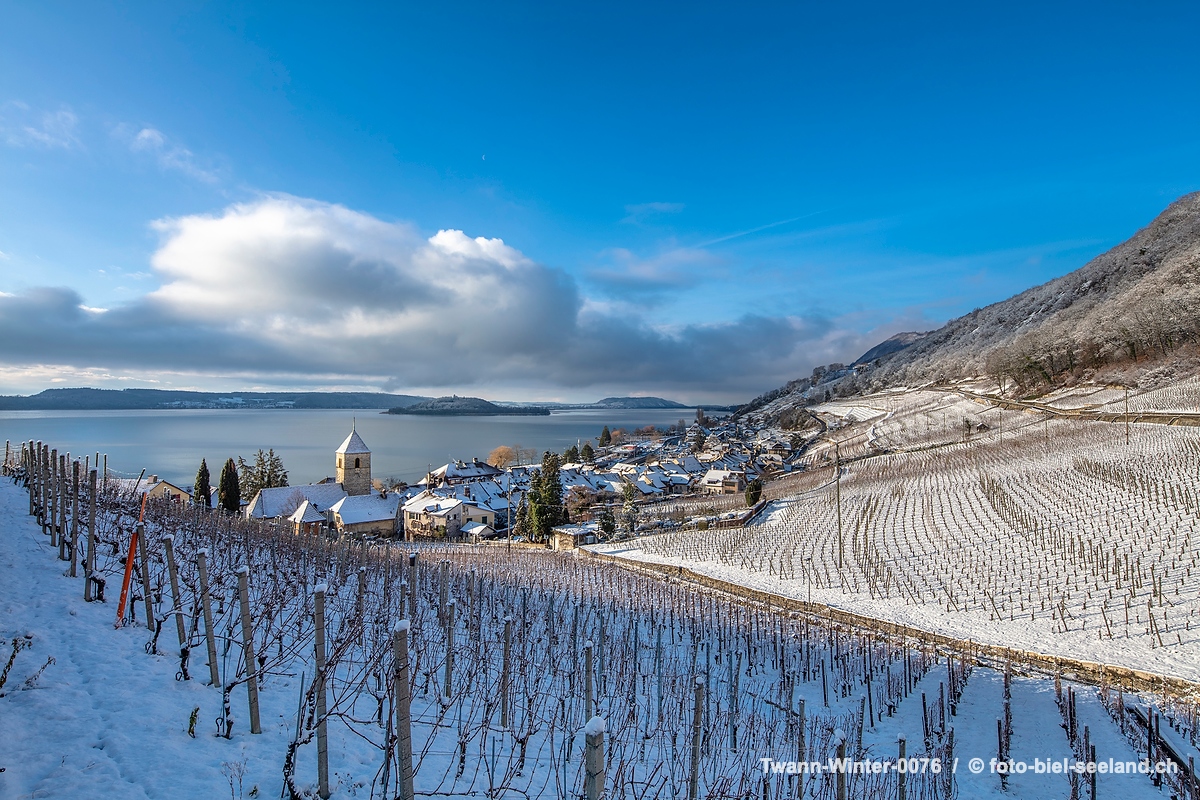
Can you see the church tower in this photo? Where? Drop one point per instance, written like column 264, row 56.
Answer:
column 354, row 465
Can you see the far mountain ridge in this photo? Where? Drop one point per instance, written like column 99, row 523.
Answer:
column 87, row 399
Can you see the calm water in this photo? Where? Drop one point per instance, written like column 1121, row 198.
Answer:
column 170, row 443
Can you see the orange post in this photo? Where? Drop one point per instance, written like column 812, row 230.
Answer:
column 128, row 578
column 129, row 567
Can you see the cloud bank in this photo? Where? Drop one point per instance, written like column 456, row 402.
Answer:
column 284, row 286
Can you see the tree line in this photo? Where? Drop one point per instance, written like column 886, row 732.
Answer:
column 239, row 479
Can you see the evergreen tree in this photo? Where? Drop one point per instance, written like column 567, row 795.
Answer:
column 587, row 453
column 266, row 472
column 605, row 437
column 536, row 513
column 521, row 523
column 629, row 511
column 202, row 491
column 698, row 442
column 608, row 523
column 571, row 455
column 229, row 494
column 754, row 490
column 552, row 494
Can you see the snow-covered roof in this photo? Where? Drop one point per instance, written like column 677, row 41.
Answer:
column 353, row 444
column 429, row 503
column 275, row 502
column 353, row 509
column 465, row 471
column 306, row 513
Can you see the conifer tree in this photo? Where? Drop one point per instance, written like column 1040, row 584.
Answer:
column 571, row 455
column 605, row 437
column 536, row 512
column 552, row 494
column 754, row 491
column 202, row 491
column 608, row 523
column 229, row 494
column 629, row 513
column 266, row 472
column 587, row 453
column 521, row 523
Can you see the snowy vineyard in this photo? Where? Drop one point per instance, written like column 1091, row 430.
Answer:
column 1051, row 535
column 527, row 673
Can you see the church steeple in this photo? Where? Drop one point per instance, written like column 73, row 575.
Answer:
column 354, row 464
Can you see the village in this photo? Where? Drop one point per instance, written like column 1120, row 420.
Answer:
column 476, row 501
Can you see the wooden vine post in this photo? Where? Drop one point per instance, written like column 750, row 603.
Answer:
column 176, row 600
column 322, row 730
column 144, row 558
column 89, row 558
column 697, row 740
column 505, row 673
column 448, row 683
column 210, row 638
column 243, row 573
column 75, row 519
column 593, row 733
column 403, row 700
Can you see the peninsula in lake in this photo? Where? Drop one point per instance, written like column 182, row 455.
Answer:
column 455, row 406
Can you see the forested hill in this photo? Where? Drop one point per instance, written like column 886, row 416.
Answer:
column 1139, row 301
column 128, row 399
column 1135, row 307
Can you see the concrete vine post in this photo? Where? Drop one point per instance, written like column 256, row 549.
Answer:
column 403, row 718
column 243, row 573
column 210, row 638
column 322, row 729
column 903, row 773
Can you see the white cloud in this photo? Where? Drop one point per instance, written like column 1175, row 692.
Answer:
column 167, row 154
column 284, row 287
column 21, row 126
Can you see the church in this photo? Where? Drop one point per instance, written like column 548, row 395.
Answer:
column 347, row 503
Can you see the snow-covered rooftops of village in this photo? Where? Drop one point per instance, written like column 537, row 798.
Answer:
column 356, row 509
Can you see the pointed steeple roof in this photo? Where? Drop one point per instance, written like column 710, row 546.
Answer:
column 353, row 444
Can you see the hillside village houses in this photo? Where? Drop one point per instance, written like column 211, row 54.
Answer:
column 473, row 500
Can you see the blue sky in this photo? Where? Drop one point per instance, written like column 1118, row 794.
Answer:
column 697, row 201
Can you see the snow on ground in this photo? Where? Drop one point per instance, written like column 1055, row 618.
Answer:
column 106, row 719
column 1050, row 535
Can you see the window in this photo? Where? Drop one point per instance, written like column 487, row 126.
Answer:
column 356, row 463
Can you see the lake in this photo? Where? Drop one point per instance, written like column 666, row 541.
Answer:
column 171, row 442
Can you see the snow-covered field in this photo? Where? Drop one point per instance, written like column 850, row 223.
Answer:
column 1035, row 533
column 108, row 718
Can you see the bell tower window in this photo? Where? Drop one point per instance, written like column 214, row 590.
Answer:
column 356, row 463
